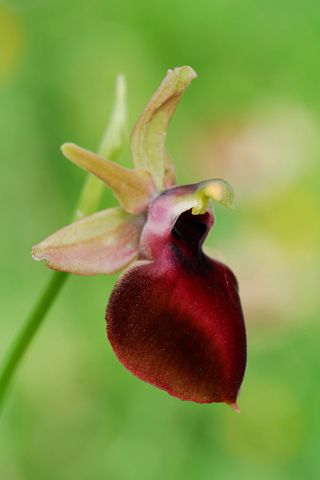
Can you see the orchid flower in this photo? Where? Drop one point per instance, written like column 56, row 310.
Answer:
column 174, row 318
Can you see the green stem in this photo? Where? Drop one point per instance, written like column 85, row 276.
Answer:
column 31, row 326
column 111, row 146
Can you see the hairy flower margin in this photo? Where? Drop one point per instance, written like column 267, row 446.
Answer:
column 174, row 318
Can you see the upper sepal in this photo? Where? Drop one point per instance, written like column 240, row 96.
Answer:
column 149, row 134
column 104, row 242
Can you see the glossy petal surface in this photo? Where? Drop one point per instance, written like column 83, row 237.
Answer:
column 104, row 242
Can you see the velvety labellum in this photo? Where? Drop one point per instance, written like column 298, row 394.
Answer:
column 176, row 321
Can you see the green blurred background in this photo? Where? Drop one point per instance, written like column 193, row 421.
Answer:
column 251, row 117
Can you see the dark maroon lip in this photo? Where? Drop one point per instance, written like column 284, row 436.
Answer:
column 176, row 321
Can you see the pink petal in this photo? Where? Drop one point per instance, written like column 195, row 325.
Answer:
column 104, row 242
